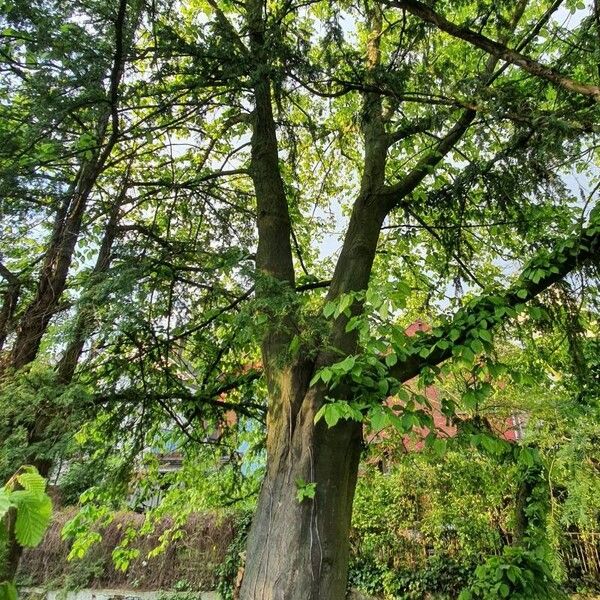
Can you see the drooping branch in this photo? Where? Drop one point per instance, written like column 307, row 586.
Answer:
column 540, row 273
column 497, row 49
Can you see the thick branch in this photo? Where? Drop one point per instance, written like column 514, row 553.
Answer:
column 210, row 398
column 497, row 49
column 393, row 195
column 274, row 253
column 8, row 275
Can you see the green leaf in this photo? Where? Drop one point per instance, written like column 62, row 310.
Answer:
column 329, row 309
column 467, row 355
column 8, row 591
column 522, row 293
column 294, row 344
column 326, row 375
column 346, row 365
column 34, row 511
column 424, row 352
column 476, row 346
column 409, row 420
column 485, row 335
column 379, row 418
column 383, row 386
column 333, row 413
column 5, row 502
column 305, row 490
column 454, row 334
column 32, row 481
column 391, row 359
column 320, row 414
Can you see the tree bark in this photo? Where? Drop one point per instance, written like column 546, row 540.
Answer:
column 299, row 550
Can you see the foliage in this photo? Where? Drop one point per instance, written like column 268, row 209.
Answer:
column 425, row 505
column 516, row 573
column 228, row 570
column 25, row 513
column 175, row 180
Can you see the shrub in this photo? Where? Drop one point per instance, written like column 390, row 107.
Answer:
column 517, row 574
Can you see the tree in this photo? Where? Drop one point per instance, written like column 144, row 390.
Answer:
column 55, row 156
column 285, row 112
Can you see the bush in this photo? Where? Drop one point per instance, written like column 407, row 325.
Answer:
column 423, row 527
column 516, row 574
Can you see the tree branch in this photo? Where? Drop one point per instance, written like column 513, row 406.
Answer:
column 497, row 49
column 8, row 275
column 541, row 272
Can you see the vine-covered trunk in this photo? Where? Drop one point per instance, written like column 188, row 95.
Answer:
column 298, row 549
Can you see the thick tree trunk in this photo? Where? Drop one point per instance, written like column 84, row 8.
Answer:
column 299, row 550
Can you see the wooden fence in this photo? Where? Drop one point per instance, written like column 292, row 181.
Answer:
column 581, row 554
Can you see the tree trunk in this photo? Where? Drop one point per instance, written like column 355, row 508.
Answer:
column 85, row 317
column 299, row 550
column 51, row 284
